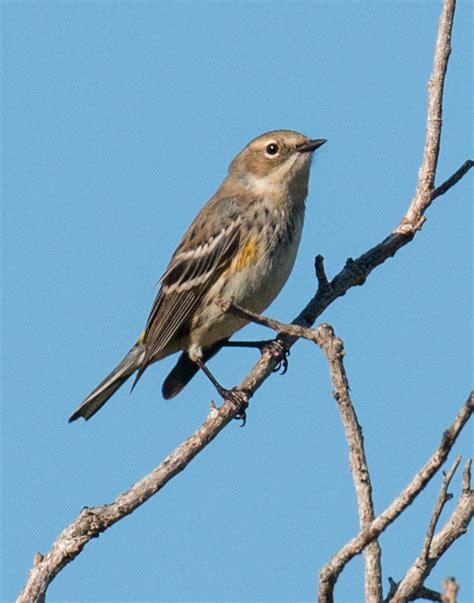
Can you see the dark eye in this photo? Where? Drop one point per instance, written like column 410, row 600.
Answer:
column 272, row 149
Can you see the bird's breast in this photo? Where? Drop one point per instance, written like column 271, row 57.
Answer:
column 255, row 276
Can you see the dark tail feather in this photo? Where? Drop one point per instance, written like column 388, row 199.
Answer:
column 141, row 369
column 184, row 370
column 110, row 384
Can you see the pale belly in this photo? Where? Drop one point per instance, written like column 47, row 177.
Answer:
column 253, row 288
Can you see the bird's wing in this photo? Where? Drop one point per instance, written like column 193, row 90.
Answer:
column 194, row 268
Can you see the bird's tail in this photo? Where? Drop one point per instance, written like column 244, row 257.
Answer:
column 111, row 383
column 184, row 371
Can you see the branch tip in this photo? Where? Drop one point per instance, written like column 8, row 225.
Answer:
column 451, row 589
column 323, row 283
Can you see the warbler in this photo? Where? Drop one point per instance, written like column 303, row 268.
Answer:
column 241, row 246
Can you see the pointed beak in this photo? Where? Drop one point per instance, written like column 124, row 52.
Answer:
column 310, row 145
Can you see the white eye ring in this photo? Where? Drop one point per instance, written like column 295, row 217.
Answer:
column 272, row 149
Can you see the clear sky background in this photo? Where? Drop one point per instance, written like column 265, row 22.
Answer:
column 119, row 122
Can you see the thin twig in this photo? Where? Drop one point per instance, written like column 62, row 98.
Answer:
column 451, row 589
column 423, row 560
column 331, row 571
column 424, row 593
column 354, row 273
column 443, row 498
column 466, row 478
column 333, row 348
column 435, row 546
column 428, row 594
column 454, row 179
column 297, row 331
column 414, row 217
column 323, row 283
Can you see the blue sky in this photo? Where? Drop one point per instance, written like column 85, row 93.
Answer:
column 119, row 122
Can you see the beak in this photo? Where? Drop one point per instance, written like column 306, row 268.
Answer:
column 310, row 145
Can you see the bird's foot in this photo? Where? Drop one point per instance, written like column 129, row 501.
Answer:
column 280, row 352
column 239, row 398
column 237, row 395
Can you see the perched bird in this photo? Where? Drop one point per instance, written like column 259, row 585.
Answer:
column 241, row 246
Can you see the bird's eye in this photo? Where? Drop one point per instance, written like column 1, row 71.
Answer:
column 272, row 149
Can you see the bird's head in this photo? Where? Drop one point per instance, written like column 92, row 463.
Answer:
column 274, row 160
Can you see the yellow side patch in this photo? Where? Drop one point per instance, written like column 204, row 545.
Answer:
column 141, row 337
column 246, row 255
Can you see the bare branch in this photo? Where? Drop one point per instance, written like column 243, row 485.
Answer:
column 428, row 594
column 466, row 477
column 434, row 547
column 454, row 527
column 450, row 586
column 259, row 319
column 414, row 217
column 454, row 179
column 443, row 498
column 331, row 571
column 423, row 593
column 451, row 589
column 354, row 273
column 323, row 283
column 333, row 348
column 92, row 521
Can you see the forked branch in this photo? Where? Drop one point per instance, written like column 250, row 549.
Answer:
column 331, row 571
column 333, row 348
column 435, row 545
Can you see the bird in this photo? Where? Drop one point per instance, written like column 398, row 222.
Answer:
column 241, row 246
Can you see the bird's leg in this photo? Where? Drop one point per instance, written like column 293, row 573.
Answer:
column 275, row 346
column 238, row 397
column 246, row 344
